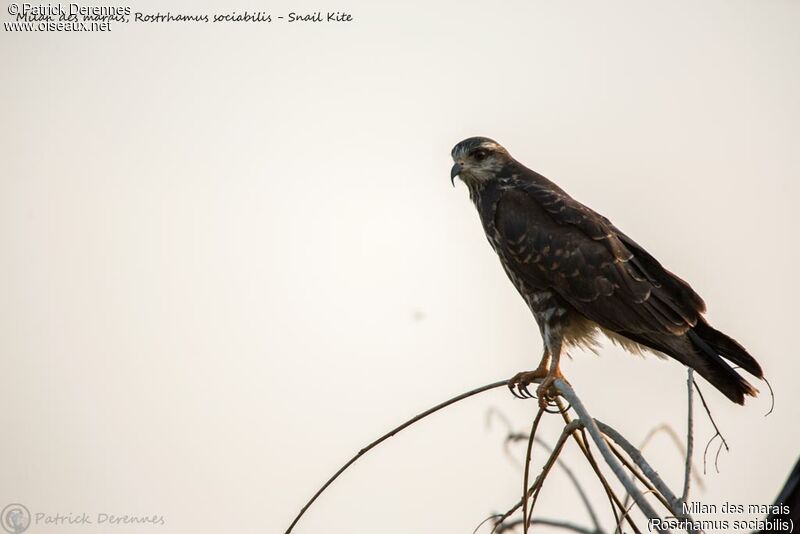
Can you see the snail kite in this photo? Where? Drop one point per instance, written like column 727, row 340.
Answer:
column 580, row 276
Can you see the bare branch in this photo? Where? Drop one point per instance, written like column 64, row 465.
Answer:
column 592, row 427
column 647, row 470
column 636, row 474
column 584, row 423
column 687, row 476
column 613, row 500
column 517, row 436
column 568, row 430
column 388, row 435
column 528, row 468
column 584, row 498
column 716, row 429
column 583, row 443
column 537, row 486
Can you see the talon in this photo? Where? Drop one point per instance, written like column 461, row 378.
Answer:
column 511, row 388
column 518, row 385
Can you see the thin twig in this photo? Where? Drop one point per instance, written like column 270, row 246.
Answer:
column 537, row 486
column 613, row 499
column 528, row 468
column 576, row 483
column 389, row 434
column 518, row 436
column 716, row 429
column 565, row 433
column 687, row 476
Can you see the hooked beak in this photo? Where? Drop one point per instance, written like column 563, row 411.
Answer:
column 455, row 171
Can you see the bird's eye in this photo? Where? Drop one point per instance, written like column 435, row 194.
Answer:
column 479, row 155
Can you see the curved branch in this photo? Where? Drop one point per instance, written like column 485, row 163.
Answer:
column 528, row 469
column 514, row 437
column 576, row 483
column 565, row 433
column 388, row 435
column 537, row 486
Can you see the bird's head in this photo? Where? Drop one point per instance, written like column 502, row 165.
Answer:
column 478, row 159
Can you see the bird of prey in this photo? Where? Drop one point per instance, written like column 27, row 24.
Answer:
column 581, row 276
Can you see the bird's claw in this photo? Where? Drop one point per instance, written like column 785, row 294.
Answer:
column 518, row 385
column 546, row 392
column 524, row 389
column 513, row 389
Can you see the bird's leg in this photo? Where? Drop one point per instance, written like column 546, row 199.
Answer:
column 519, row 382
column 546, row 392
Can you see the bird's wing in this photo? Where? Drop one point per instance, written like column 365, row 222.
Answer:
column 554, row 241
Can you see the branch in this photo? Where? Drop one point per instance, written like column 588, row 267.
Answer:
column 592, row 427
column 581, row 493
column 716, row 429
column 583, row 444
column 636, row 475
column 514, row 436
column 537, row 486
column 388, row 435
column 648, row 471
column 528, row 469
column 565, row 433
column 687, row 477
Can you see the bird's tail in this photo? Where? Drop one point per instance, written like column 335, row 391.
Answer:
column 703, row 349
column 728, row 348
column 710, row 346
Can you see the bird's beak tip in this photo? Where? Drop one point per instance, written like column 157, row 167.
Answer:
column 455, row 171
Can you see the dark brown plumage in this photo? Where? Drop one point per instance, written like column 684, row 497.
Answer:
column 581, row 275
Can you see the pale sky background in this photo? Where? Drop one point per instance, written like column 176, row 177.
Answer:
column 231, row 254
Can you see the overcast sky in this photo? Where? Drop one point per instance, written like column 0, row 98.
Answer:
column 231, row 254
